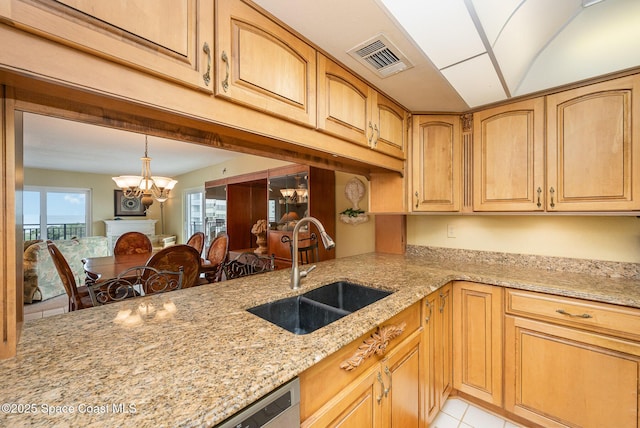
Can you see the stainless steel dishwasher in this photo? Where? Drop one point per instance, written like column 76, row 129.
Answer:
column 278, row 409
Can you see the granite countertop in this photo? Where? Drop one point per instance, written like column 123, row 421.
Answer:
column 194, row 357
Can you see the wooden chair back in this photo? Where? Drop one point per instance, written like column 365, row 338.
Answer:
column 132, row 243
column 197, row 241
column 307, row 249
column 178, row 258
column 248, row 264
column 76, row 301
column 216, row 257
column 135, row 281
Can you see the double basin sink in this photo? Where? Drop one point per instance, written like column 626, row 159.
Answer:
column 319, row 307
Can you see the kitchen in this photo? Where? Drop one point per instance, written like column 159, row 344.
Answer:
column 612, row 238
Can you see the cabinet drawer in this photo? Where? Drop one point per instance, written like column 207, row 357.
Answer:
column 324, row 380
column 611, row 319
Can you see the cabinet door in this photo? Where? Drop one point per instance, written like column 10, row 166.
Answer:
column 558, row 376
column 357, row 406
column 389, row 127
column 169, row 38
column 436, row 164
column 344, row 103
column 401, row 373
column 444, row 344
column 593, row 147
column 431, row 396
column 508, row 157
column 477, row 341
column 262, row 65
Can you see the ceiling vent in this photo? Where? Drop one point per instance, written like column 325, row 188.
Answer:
column 381, row 56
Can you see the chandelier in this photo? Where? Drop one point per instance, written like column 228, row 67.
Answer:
column 145, row 186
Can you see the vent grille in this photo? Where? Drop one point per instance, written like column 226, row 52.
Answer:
column 381, row 56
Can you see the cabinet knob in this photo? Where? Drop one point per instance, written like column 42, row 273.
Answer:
column 539, row 204
column 552, row 192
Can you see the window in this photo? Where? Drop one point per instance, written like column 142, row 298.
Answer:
column 56, row 213
column 193, row 203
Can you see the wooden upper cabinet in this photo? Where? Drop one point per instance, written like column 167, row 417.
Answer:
column 262, row 65
column 389, row 127
column 167, row 38
column 344, row 103
column 436, row 163
column 508, row 157
column 593, row 147
column 349, row 108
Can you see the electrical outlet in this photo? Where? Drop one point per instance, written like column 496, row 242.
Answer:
column 451, row 231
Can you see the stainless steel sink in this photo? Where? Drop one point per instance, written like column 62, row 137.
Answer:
column 318, row 308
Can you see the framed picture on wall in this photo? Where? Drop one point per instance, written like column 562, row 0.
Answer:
column 125, row 206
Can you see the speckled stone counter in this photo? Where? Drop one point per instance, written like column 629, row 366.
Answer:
column 194, row 357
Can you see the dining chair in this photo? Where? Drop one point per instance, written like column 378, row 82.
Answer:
column 79, row 297
column 132, row 243
column 176, row 258
column 246, row 264
column 307, row 251
column 133, row 282
column 197, row 241
column 216, row 257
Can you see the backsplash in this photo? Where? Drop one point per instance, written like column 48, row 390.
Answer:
column 559, row 264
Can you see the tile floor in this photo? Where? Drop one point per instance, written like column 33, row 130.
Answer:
column 54, row 306
column 457, row 413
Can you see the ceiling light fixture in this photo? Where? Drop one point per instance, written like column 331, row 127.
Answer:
column 146, row 186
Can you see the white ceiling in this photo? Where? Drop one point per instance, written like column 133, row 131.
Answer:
column 465, row 54
column 52, row 143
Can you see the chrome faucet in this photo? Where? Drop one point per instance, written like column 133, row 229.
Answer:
column 296, row 273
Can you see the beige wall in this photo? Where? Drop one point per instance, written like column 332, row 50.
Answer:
column 585, row 237
column 350, row 239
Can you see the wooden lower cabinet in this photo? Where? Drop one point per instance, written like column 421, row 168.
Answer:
column 477, row 340
column 355, row 406
column 540, row 359
column 438, row 348
column 564, row 377
column 571, row 362
column 384, row 391
column 387, row 395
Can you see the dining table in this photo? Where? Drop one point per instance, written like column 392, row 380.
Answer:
column 100, row 269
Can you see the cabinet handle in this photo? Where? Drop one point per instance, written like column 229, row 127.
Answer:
column 417, row 199
column 371, row 135
column 377, row 135
column 563, row 312
column 225, row 82
column 379, row 397
column 207, row 76
column 388, row 373
column 428, row 317
column 539, row 204
column 443, row 299
column 552, row 193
